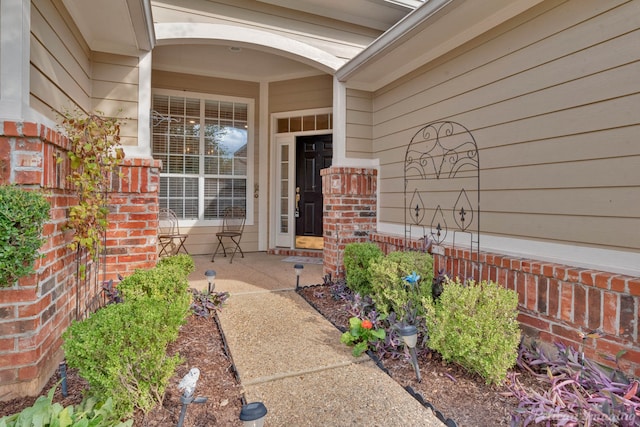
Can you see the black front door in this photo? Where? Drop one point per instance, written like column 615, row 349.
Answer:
column 313, row 153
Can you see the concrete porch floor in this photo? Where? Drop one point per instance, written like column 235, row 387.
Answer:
column 290, row 357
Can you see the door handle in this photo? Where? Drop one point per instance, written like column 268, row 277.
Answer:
column 297, row 198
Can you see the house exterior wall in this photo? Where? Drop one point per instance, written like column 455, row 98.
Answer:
column 301, row 94
column 359, row 124
column 202, row 238
column 551, row 100
column 114, row 91
column 60, row 59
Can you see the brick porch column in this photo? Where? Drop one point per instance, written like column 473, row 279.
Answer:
column 349, row 212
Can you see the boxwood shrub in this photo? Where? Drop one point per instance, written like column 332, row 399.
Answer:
column 357, row 259
column 391, row 293
column 475, row 326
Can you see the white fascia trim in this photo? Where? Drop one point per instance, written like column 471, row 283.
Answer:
column 388, row 40
column 627, row 263
column 188, row 32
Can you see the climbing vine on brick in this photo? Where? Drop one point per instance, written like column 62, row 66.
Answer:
column 94, row 157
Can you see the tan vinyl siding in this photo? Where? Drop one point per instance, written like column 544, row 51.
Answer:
column 202, row 240
column 115, row 91
column 552, row 101
column 301, row 94
column 60, row 76
column 359, row 124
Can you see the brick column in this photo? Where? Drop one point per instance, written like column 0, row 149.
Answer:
column 349, row 212
column 133, row 218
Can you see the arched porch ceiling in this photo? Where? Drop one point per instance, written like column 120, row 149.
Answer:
column 204, row 48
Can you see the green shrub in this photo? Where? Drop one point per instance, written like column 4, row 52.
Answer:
column 183, row 261
column 357, row 258
column 121, row 351
column 22, row 216
column 475, row 326
column 391, row 293
column 167, row 282
column 45, row 413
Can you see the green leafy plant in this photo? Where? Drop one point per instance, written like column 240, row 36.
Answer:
column 89, row 413
column 167, row 282
column 392, row 293
column 361, row 335
column 121, row 350
column 183, row 262
column 22, row 217
column 94, row 156
column 357, row 259
column 474, row 325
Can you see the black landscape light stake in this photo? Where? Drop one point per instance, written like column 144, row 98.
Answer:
column 188, row 384
column 211, row 278
column 252, row 414
column 409, row 334
column 62, row 369
column 298, row 268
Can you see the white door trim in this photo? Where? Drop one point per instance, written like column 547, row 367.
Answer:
column 276, row 141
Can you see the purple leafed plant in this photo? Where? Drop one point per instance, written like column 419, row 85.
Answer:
column 577, row 391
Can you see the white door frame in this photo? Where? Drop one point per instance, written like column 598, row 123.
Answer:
column 277, row 141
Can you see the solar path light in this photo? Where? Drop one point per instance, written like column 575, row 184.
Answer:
column 298, row 268
column 409, row 334
column 252, row 414
column 211, row 278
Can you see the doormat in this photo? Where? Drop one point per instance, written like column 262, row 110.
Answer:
column 303, row 260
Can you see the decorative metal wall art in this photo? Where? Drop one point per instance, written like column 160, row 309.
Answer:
column 442, row 186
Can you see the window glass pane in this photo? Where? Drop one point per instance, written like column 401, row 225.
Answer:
column 240, row 112
column 283, row 125
column 176, row 106
column 211, row 165
column 192, row 165
column 199, row 146
column 309, row 123
column 211, row 109
column 226, row 110
column 322, row 121
column 240, row 166
column 295, row 124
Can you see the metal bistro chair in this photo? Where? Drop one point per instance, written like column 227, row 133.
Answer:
column 170, row 240
column 232, row 228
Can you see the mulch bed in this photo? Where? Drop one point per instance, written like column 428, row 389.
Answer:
column 457, row 395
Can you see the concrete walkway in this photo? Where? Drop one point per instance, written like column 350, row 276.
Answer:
column 290, row 357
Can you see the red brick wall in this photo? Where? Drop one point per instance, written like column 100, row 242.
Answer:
column 35, row 312
column 349, row 197
column 557, row 302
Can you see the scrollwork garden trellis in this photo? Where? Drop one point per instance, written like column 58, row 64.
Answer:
column 442, row 187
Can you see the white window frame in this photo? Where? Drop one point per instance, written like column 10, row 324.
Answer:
column 201, row 176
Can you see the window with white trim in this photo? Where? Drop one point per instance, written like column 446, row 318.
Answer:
column 203, row 144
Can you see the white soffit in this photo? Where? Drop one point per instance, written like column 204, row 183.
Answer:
column 437, row 27
column 123, row 27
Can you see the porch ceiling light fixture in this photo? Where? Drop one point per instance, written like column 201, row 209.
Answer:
column 211, row 278
column 252, row 414
column 409, row 334
column 298, row 268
